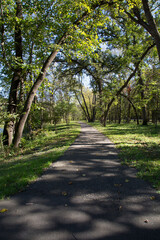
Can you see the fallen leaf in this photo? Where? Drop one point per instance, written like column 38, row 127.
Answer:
column 117, row 185
column 83, row 175
column 152, row 198
column 3, row 210
column 64, row 193
column 70, row 183
column 146, row 221
column 126, row 180
column 120, row 207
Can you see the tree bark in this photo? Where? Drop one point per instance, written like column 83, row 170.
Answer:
column 132, row 104
column 129, row 107
column 93, row 117
column 153, row 30
column 86, row 107
column 2, row 34
column 150, row 25
column 144, row 115
column 81, row 106
column 119, row 111
column 16, row 80
column 26, row 110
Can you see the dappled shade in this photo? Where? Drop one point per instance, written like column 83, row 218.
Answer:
column 87, row 194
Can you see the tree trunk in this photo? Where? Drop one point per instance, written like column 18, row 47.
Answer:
column 99, row 82
column 107, row 111
column 26, row 110
column 119, row 110
column 150, row 25
column 144, row 115
column 125, row 84
column 135, row 110
column 154, row 117
column 93, row 117
column 128, row 113
column 81, row 106
column 86, row 107
column 153, row 30
column 16, row 80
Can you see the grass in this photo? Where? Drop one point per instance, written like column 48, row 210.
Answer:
column 21, row 167
column 139, row 146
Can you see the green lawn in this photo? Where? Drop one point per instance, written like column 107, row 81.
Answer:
column 139, row 146
column 18, row 169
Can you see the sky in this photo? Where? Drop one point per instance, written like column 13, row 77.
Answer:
column 86, row 81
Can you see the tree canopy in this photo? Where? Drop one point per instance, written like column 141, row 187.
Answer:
column 110, row 41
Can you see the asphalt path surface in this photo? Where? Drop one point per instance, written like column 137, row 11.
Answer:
column 86, row 195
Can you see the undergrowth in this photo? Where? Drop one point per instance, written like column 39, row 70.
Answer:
column 20, row 167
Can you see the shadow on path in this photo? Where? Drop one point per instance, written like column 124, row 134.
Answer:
column 86, row 195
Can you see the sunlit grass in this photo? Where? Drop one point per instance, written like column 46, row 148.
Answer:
column 18, row 169
column 139, row 146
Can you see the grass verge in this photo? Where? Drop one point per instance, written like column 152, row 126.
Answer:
column 139, row 147
column 18, row 169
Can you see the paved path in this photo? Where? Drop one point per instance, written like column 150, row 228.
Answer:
column 86, row 195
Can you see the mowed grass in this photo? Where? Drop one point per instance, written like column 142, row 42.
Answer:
column 139, row 146
column 18, row 169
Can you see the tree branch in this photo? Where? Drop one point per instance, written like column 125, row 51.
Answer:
column 135, row 110
column 127, row 81
column 40, row 78
column 138, row 20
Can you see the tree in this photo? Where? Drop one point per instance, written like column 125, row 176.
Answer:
column 87, row 101
column 57, row 24
column 149, row 23
column 18, row 76
column 118, row 92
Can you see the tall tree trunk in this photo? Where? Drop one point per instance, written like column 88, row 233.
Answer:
column 128, row 113
column 16, row 80
column 2, row 29
column 99, row 82
column 134, row 108
column 153, row 30
column 144, row 115
column 107, row 111
column 149, row 25
column 93, row 117
column 26, row 110
column 86, row 107
column 115, row 109
column 81, row 106
column 119, row 110
column 154, row 117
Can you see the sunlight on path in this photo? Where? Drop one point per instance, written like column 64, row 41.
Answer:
column 86, row 195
